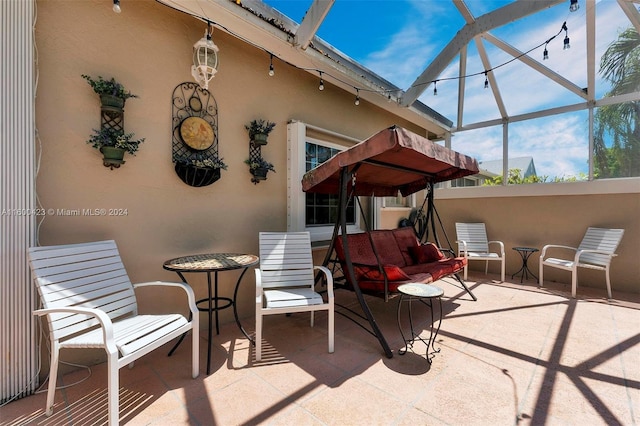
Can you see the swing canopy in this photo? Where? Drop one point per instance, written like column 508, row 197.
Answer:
column 392, row 160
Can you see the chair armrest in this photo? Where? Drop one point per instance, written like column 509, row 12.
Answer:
column 105, row 322
column 501, row 244
column 554, row 246
column 186, row 287
column 258, row 286
column 464, row 247
column 581, row 252
column 329, row 278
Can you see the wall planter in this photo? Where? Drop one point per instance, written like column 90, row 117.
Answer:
column 259, row 131
column 112, row 157
column 110, row 139
column 259, row 167
column 195, row 136
column 259, row 139
column 197, row 176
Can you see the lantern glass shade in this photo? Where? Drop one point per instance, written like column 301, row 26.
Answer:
column 205, row 61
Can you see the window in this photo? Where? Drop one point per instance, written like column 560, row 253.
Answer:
column 316, row 213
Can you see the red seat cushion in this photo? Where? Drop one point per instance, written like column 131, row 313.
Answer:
column 426, row 253
column 372, row 273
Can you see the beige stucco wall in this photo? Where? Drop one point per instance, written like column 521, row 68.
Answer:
column 148, row 48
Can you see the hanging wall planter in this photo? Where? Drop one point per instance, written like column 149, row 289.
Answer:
column 112, row 157
column 259, row 131
column 195, row 136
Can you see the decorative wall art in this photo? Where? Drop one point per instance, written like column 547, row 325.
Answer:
column 195, row 135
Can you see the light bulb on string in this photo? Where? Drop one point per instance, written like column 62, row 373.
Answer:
column 574, row 6
column 321, row 86
column 435, row 88
column 357, row 101
column 271, row 70
column 486, row 80
column 566, row 36
column 116, row 6
column 545, row 54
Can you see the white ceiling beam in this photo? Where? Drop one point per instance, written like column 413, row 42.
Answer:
column 497, row 18
column 491, row 77
column 462, row 84
column 528, row 60
column 630, row 9
column 611, row 100
column 591, row 49
column 311, row 22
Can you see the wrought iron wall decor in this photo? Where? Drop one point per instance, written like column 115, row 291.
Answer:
column 195, row 135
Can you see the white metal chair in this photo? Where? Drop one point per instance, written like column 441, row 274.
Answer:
column 285, row 281
column 596, row 251
column 89, row 302
column 473, row 244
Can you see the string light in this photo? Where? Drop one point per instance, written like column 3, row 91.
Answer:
column 566, row 37
column 116, row 6
column 435, row 88
column 486, row 80
column 388, row 92
column 574, row 6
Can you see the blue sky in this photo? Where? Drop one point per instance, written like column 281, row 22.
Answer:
column 397, row 39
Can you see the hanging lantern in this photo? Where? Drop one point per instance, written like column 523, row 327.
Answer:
column 205, row 60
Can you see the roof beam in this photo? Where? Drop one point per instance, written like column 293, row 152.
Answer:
column 632, row 13
column 312, row 21
column 499, row 17
column 491, row 78
column 535, row 65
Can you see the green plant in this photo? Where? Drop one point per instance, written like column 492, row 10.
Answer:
column 214, row 163
column 259, row 163
column 259, row 127
column 108, row 87
column 108, row 136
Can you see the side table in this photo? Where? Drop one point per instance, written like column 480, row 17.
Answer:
column 208, row 263
column 525, row 252
column 423, row 293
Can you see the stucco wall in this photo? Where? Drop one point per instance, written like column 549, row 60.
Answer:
column 148, row 48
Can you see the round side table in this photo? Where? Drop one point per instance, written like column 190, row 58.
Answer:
column 524, row 253
column 424, row 294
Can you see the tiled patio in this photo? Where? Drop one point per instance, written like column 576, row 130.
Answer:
column 519, row 355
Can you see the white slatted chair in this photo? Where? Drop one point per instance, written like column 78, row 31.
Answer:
column 473, row 244
column 89, row 302
column 596, row 251
column 285, row 281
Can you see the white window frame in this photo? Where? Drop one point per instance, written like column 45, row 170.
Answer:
column 296, row 206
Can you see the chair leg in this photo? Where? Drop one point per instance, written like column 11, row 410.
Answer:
column 574, row 281
column 608, row 283
column 540, row 277
column 330, row 330
column 258, row 336
column 503, row 269
column 53, row 377
column 312, row 312
column 465, row 270
column 195, row 351
column 113, row 389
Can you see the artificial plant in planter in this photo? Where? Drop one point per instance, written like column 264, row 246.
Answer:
column 198, row 171
column 259, row 167
column 112, row 93
column 259, row 131
column 113, row 144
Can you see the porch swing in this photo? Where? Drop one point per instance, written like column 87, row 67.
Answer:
column 391, row 161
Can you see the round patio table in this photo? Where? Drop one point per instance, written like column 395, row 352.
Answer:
column 208, row 263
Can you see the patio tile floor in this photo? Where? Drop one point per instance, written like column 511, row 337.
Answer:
column 519, row 355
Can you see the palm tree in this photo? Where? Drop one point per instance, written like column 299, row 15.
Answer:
column 620, row 65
